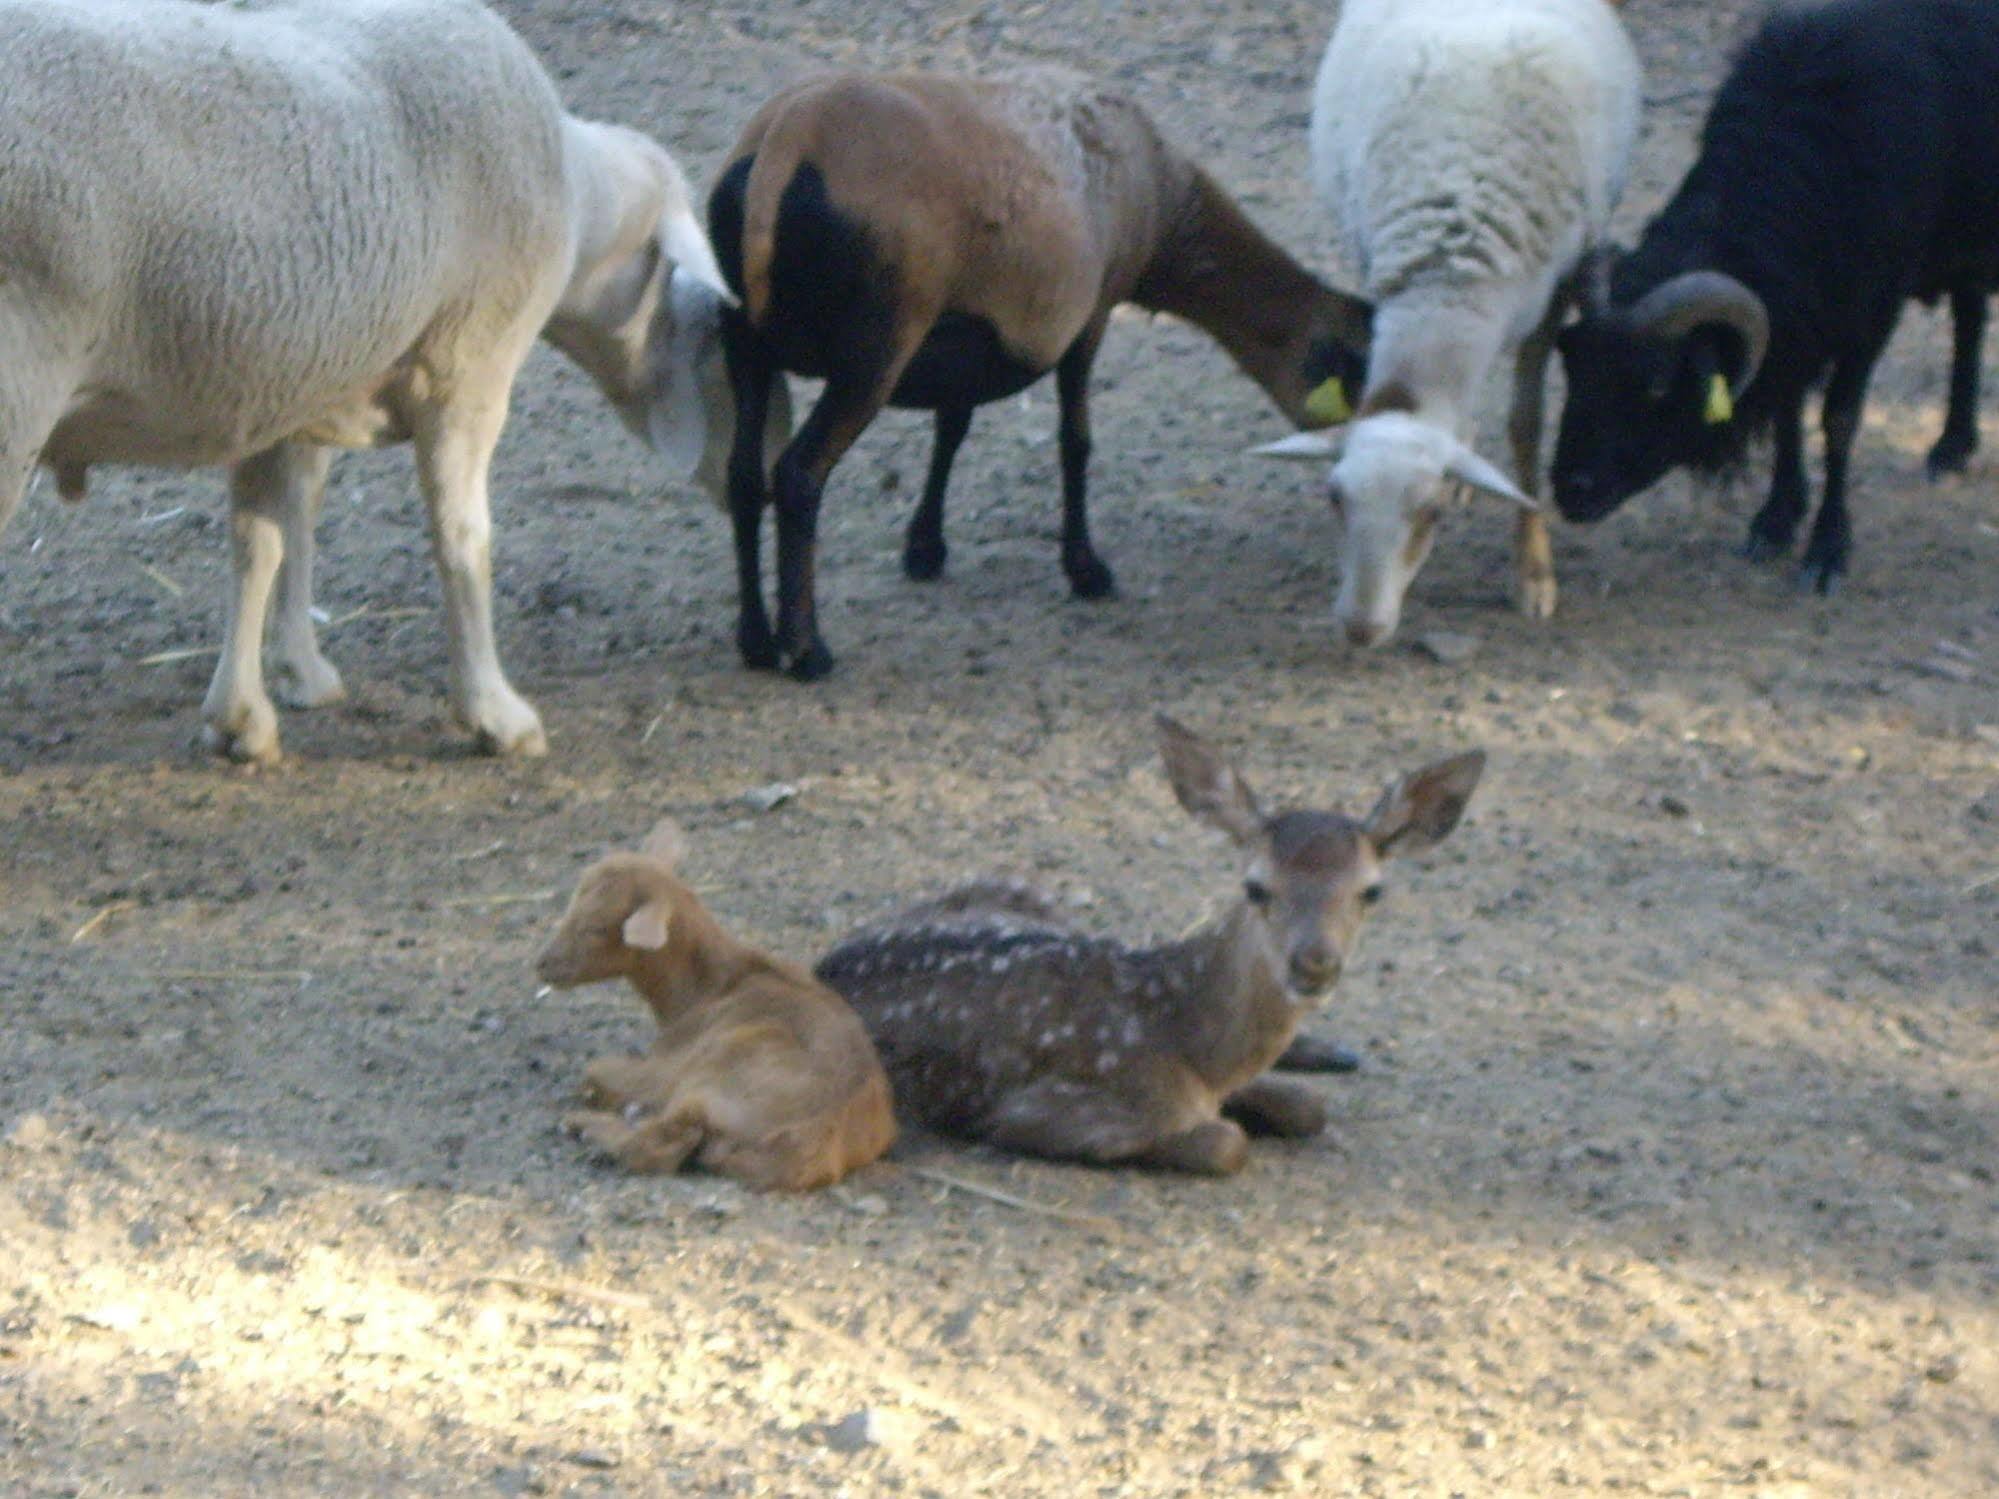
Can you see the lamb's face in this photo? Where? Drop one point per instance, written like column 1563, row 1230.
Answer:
column 620, row 910
column 1388, row 492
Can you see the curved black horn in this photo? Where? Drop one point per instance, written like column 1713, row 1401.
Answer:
column 1697, row 299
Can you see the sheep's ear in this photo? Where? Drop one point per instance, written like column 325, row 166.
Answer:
column 645, row 928
column 666, row 842
column 687, row 341
column 1300, row 447
column 1420, row 809
column 685, row 241
column 1477, row 473
column 1210, row 788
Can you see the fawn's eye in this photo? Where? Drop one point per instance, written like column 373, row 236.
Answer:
column 1371, row 896
column 1257, row 892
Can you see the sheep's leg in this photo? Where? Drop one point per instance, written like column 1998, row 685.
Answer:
column 304, row 677
column 923, row 550
column 35, row 387
column 1826, row 551
column 849, row 402
column 752, row 375
column 242, row 723
column 1089, row 578
column 17, row 471
column 454, row 449
column 1959, row 441
column 1776, row 524
column 1270, row 1106
column 1534, row 591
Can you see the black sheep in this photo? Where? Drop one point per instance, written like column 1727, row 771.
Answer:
column 1850, row 162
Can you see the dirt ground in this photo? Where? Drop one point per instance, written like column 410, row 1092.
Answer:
column 1672, row 1167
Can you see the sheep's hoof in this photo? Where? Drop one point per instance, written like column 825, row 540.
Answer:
column 1951, row 455
column 253, row 741
column 512, row 730
column 924, row 564
column 1821, row 576
column 812, row 663
column 1090, row 579
column 309, row 682
column 1535, row 597
column 531, row 745
column 757, row 647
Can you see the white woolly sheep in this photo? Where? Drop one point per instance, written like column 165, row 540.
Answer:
column 1471, row 156
column 245, row 237
column 938, row 242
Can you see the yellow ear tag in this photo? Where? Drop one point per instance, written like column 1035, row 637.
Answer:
column 1720, row 404
column 1328, row 406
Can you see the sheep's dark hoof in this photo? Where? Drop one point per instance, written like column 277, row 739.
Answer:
column 924, row 564
column 1951, row 455
column 1821, row 576
column 812, row 663
column 1090, row 579
column 757, row 646
column 1757, row 547
column 1310, row 1054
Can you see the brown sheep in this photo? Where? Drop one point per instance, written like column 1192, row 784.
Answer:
column 937, row 242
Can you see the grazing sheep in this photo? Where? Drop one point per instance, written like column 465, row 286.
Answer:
column 999, row 1020
column 758, row 1071
column 247, row 236
column 939, row 243
column 1850, row 162
column 1471, row 155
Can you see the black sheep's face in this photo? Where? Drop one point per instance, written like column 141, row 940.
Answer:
column 1637, row 408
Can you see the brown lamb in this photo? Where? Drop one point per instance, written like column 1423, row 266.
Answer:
column 759, row 1071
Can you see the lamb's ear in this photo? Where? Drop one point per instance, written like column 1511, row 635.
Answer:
column 1208, row 786
column 666, row 842
column 1469, row 469
column 1421, row 809
column 1300, row 447
column 645, row 928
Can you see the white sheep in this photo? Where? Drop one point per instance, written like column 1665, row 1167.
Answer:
column 248, row 236
column 1471, row 155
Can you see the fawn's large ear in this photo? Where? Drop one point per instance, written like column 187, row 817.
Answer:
column 646, row 928
column 666, row 843
column 1208, row 786
column 1421, row 809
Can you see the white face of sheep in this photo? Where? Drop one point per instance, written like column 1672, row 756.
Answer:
column 1391, row 478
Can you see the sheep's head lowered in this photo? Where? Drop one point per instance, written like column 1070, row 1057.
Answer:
column 1391, row 475
column 642, row 314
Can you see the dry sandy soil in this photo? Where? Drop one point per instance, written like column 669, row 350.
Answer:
column 1672, row 1167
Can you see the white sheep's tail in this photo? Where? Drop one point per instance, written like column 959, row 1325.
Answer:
column 685, row 241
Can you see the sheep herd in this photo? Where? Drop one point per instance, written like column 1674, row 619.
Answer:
column 249, row 237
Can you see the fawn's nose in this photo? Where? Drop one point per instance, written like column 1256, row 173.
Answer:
column 1314, row 969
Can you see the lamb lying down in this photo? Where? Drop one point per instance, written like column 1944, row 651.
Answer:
column 758, row 1072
